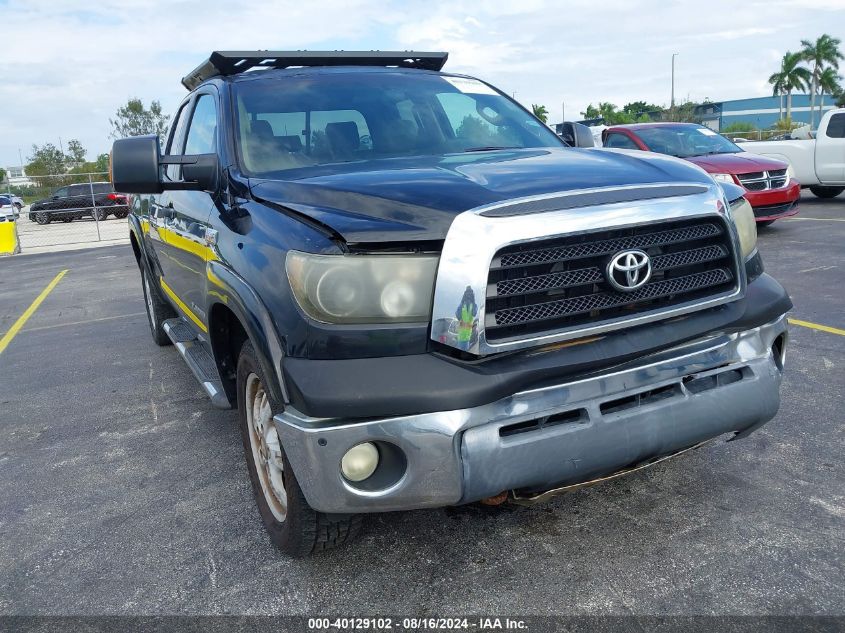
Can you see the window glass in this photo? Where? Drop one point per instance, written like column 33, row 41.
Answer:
column 202, row 135
column 79, row 190
column 293, row 122
column 102, row 188
column 836, row 126
column 685, row 140
column 176, row 141
column 621, row 141
column 60, row 192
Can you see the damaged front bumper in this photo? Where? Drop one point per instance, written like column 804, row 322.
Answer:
column 548, row 437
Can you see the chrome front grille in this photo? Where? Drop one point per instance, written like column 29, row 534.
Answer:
column 764, row 180
column 560, row 284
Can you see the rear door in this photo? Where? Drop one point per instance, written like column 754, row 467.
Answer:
column 186, row 249
column 830, row 151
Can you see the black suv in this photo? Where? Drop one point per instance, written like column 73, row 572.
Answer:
column 73, row 202
column 416, row 295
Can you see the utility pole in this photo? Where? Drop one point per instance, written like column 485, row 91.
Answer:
column 562, row 111
column 20, row 159
column 672, row 100
column 61, row 147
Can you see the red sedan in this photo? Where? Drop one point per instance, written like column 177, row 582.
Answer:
column 768, row 183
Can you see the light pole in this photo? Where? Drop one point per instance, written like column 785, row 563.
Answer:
column 672, row 99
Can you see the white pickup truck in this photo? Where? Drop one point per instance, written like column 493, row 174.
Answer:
column 817, row 163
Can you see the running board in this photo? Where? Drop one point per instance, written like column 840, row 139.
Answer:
column 199, row 361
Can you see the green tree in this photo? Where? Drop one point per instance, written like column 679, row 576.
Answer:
column 791, row 76
column 828, row 82
column 642, row 110
column 46, row 159
column 591, row 112
column 75, row 152
column 821, row 54
column 2, row 175
column 540, row 112
column 133, row 119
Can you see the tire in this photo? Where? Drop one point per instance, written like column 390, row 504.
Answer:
column 121, row 215
column 67, row 219
column 826, row 192
column 294, row 526
column 158, row 310
column 43, row 218
column 100, row 214
column 18, row 206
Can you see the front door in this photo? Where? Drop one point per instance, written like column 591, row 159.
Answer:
column 830, row 152
column 183, row 216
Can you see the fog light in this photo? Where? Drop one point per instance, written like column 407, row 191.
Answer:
column 359, row 462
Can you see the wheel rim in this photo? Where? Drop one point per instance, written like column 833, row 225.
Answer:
column 151, row 311
column 266, row 449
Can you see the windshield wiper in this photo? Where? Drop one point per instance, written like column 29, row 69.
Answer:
column 490, row 148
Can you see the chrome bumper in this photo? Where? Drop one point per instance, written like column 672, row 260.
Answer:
column 557, row 435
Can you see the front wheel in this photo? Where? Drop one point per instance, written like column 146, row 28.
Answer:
column 43, row 218
column 294, row 526
column 121, row 215
column 826, row 192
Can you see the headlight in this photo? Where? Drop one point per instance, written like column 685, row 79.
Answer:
column 363, row 288
column 743, row 217
column 790, row 171
column 724, row 178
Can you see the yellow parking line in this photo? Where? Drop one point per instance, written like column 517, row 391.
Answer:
column 17, row 325
column 812, row 326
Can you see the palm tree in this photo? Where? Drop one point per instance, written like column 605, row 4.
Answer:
column 820, row 54
column 778, row 88
column 540, row 112
column 792, row 76
column 829, row 83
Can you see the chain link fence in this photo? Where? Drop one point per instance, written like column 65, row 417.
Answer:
column 70, row 210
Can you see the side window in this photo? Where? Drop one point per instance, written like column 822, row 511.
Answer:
column 836, row 126
column 79, row 190
column 60, row 193
column 176, row 140
column 202, row 135
column 621, row 141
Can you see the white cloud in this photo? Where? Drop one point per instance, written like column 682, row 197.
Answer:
column 67, row 66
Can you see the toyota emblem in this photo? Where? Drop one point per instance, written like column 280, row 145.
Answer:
column 629, row 270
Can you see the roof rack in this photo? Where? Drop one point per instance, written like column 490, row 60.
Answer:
column 227, row 63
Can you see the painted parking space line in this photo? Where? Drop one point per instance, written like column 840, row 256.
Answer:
column 815, row 219
column 85, row 322
column 22, row 319
column 813, row 326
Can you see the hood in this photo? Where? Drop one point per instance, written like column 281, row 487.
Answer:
column 739, row 163
column 416, row 198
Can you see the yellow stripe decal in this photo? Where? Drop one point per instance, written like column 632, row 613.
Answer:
column 182, row 306
column 816, row 326
column 17, row 325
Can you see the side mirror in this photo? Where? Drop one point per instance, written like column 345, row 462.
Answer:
column 136, row 167
column 577, row 135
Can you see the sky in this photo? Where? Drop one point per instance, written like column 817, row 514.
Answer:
column 67, row 65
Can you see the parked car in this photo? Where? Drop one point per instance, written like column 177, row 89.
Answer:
column 770, row 188
column 416, row 295
column 818, row 163
column 74, row 202
column 17, row 201
column 8, row 209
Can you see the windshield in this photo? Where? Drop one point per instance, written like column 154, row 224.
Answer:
column 299, row 121
column 686, row 141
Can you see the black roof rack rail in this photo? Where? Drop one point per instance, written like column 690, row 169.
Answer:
column 227, row 63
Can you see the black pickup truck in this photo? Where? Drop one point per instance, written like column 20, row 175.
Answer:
column 84, row 200
column 416, row 295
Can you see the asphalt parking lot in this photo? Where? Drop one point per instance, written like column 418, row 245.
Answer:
column 123, row 492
